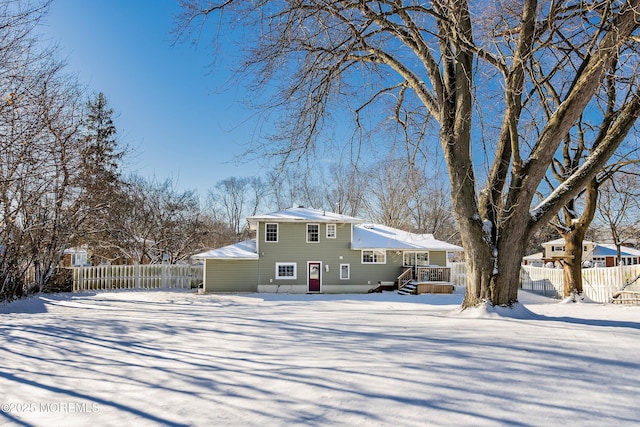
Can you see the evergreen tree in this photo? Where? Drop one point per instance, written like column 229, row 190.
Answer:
column 100, row 153
column 100, row 173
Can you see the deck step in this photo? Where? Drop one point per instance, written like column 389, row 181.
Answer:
column 408, row 289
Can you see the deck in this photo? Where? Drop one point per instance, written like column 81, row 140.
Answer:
column 426, row 280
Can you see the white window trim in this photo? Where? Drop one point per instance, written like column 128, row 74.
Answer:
column 79, row 259
column 307, row 231
column 295, row 271
column 382, row 251
column 277, row 232
column 348, row 271
column 335, row 231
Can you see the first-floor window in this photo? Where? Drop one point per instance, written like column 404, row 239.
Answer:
column 374, row 257
column 344, row 271
column 286, row 270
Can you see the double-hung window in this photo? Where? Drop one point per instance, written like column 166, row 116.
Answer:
column 331, row 231
column 313, row 233
column 271, row 232
column 375, row 256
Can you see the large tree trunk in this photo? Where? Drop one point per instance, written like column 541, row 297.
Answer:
column 573, row 239
column 493, row 270
column 572, row 262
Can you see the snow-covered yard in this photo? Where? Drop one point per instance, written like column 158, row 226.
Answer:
column 177, row 358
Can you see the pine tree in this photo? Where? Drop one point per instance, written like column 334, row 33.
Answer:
column 100, row 173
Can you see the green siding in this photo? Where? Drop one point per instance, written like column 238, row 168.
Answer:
column 230, row 275
column 438, row 258
column 292, row 246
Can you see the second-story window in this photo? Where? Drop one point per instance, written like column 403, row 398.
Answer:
column 313, row 233
column 331, row 231
column 271, row 232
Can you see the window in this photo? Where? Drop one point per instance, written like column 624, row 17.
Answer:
column 286, row 270
column 374, row 257
column 331, row 231
column 344, row 272
column 411, row 259
column 271, row 232
column 313, row 233
column 79, row 259
column 557, row 248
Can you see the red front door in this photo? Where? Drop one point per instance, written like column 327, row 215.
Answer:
column 314, row 276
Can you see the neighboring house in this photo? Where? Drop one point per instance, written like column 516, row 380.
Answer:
column 534, row 260
column 75, row 257
column 301, row 250
column 594, row 254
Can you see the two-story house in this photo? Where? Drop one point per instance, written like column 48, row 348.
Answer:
column 593, row 254
column 302, row 250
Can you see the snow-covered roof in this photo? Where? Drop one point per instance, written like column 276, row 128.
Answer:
column 610, row 250
column 536, row 256
column 560, row 241
column 80, row 250
column 600, row 249
column 377, row 236
column 303, row 215
column 237, row 251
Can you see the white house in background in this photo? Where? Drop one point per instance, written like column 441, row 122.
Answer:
column 76, row 257
column 302, row 250
column 594, row 254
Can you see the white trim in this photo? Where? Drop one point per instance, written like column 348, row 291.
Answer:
column 348, row 272
column 415, row 256
column 295, row 270
column 277, row 232
column 319, row 271
column 335, row 231
column 373, row 254
column 307, row 232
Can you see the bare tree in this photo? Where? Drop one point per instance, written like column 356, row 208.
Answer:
column 234, row 199
column 389, row 186
column 619, row 208
column 338, row 188
column 40, row 189
column 438, row 57
column 155, row 223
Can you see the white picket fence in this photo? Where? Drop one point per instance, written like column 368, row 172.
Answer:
column 458, row 273
column 599, row 284
column 104, row 277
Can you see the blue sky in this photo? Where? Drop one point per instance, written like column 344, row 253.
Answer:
column 179, row 114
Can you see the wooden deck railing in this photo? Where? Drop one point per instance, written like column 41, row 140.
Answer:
column 424, row 274
column 405, row 277
column 433, row 274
